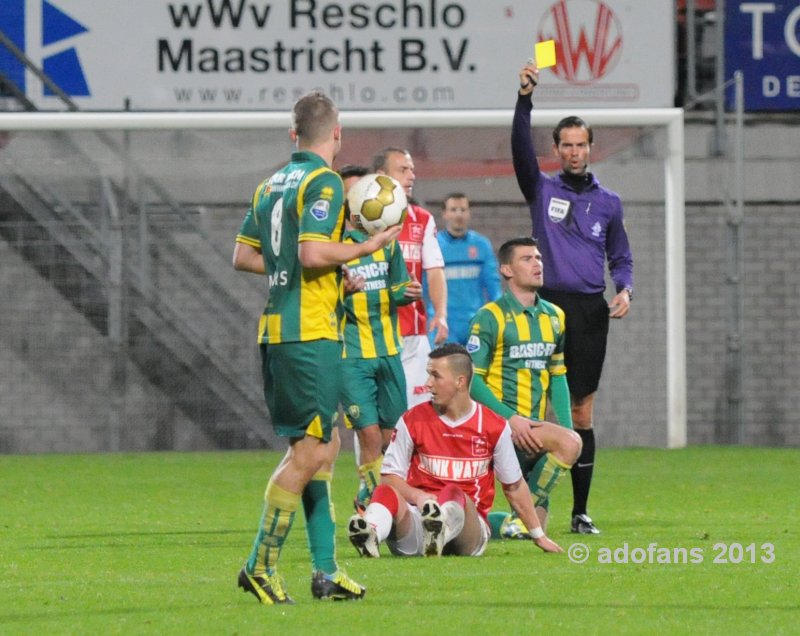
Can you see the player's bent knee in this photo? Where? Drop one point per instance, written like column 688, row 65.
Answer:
column 452, row 493
column 565, row 444
column 573, row 447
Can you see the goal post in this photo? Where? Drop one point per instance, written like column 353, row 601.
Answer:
column 670, row 120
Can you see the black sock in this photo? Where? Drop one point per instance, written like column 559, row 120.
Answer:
column 582, row 472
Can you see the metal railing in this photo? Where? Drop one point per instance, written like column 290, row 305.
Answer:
column 110, row 281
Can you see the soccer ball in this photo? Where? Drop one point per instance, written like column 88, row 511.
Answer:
column 376, row 201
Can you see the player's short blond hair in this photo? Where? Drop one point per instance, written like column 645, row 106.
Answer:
column 314, row 116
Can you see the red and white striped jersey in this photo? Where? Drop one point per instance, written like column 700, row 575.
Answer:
column 421, row 251
column 429, row 452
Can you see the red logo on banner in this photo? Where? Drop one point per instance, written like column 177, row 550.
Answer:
column 588, row 39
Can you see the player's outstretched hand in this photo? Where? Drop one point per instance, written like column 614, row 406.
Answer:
column 383, row 238
column 547, row 545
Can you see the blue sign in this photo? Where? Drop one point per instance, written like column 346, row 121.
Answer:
column 61, row 63
column 762, row 39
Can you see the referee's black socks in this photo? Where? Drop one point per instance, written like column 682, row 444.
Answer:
column 582, row 472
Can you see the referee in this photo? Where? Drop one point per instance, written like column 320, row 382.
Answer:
column 579, row 226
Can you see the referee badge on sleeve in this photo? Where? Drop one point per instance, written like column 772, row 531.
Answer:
column 473, row 344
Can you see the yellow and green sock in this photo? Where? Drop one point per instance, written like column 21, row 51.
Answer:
column 280, row 507
column 544, row 477
column 370, row 474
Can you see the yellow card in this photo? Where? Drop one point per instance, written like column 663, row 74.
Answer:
column 545, row 53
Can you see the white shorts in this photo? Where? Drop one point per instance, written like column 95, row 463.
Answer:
column 415, row 365
column 411, row 544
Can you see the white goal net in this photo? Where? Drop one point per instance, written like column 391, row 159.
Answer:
column 115, row 242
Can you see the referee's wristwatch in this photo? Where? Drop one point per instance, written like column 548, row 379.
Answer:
column 630, row 293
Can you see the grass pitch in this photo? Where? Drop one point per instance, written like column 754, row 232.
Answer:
column 152, row 543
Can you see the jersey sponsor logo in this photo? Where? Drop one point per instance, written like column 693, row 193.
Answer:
column 320, row 209
column 557, row 209
column 412, row 252
column 294, row 177
column 462, row 272
column 416, row 231
column 452, row 469
column 374, row 285
column 371, row 270
column 531, row 350
column 480, row 446
column 473, row 344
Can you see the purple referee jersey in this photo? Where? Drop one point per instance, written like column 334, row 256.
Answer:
column 576, row 231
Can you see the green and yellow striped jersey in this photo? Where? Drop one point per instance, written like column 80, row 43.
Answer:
column 301, row 202
column 370, row 316
column 517, row 349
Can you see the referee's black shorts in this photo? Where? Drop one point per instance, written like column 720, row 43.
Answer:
column 586, row 336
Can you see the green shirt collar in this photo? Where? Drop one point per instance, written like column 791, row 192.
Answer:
column 517, row 306
column 357, row 236
column 303, row 156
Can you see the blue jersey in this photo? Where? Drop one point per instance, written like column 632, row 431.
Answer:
column 473, row 279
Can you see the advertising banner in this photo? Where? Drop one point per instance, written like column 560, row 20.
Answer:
column 369, row 55
column 762, row 39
